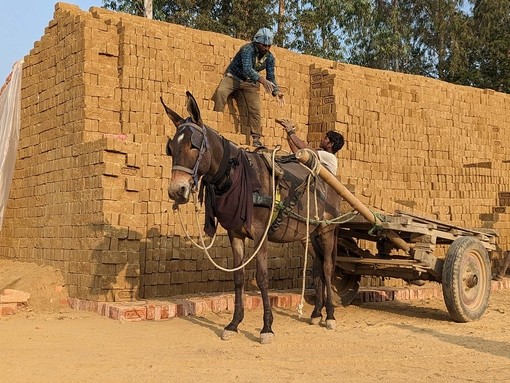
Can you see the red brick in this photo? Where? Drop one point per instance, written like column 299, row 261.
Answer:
column 8, row 308
column 151, row 312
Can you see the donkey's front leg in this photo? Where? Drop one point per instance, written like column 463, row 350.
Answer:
column 237, row 245
column 267, row 334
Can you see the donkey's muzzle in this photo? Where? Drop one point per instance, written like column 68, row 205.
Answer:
column 179, row 193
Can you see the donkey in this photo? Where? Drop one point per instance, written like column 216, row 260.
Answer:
column 235, row 183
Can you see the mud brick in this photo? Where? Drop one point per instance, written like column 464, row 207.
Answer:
column 14, row 296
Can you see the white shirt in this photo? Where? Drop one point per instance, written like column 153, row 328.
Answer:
column 328, row 160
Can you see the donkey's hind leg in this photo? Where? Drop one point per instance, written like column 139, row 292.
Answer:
column 237, row 244
column 329, row 246
column 318, row 278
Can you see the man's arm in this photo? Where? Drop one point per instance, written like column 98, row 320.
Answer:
column 271, row 76
column 295, row 142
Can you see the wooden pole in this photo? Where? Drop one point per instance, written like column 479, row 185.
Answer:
column 304, row 156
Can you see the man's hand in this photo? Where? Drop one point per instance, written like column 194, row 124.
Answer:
column 281, row 99
column 288, row 125
column 268, row 85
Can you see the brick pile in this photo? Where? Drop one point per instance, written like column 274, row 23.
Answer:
column 89, row 189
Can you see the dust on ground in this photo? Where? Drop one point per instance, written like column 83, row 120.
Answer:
column 384, row 341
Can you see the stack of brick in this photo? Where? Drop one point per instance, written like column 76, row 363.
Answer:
column 89, row 189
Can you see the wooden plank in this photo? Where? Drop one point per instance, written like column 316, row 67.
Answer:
column 379, row 261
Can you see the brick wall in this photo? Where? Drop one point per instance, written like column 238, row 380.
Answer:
column 89, row 190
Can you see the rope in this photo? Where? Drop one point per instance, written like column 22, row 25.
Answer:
column 197, row 210
column 375, row 227
column 301, row 303
column 344, row 218
column 203, row 247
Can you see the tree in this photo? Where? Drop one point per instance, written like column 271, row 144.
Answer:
column 316, row 27
column 490, row 59
column 237, row 18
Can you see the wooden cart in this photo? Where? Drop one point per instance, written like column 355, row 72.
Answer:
column 407, row 248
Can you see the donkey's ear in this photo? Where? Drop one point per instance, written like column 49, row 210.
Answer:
column 176, row 119
column 193, row 109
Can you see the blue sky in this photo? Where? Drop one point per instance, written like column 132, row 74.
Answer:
column 22, row 23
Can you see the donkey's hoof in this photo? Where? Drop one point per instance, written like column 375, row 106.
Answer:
column 330, row 324
column 266, row 338
column 315, row 321
column 228, row 334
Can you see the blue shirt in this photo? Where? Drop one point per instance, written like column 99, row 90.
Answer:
column 246, row 65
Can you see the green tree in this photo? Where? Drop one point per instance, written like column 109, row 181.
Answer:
column 378, row 34
column 423, row 37
column 237, row 18
column 315, row 27
column 490, row 57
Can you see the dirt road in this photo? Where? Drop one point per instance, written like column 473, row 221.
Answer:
column 394, row 341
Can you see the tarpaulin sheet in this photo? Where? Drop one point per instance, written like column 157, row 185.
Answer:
column 10, row 110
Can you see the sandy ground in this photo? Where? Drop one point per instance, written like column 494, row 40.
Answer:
column 386, row 341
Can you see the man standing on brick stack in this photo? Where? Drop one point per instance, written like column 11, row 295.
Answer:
column 243, row 78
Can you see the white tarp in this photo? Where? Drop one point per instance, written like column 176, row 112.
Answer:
column 10, row 110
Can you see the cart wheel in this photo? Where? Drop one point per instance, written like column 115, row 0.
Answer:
column 345, row 286
column 466, row 279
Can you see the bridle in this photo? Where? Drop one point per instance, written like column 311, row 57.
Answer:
column 199, row 141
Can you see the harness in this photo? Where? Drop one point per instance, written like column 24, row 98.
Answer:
column 200, row 141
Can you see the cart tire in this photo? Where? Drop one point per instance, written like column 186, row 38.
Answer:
column 466, row 279
column 345, row 287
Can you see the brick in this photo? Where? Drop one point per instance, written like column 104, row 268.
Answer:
column 8, row 309
column 14, row 296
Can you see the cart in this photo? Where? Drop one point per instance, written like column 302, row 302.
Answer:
column 407, row 246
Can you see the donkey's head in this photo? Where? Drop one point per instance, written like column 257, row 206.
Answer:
column 189, row 150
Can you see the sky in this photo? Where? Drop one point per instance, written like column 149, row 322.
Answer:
column 22, row 23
